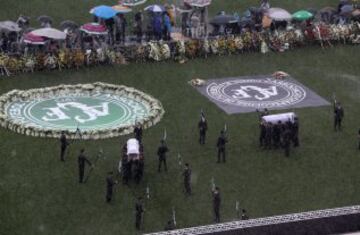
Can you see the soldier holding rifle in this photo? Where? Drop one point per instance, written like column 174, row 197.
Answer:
column 338, row 115
column 82, row 159
column 221, row 142
column 63, row 146
column 139, row 210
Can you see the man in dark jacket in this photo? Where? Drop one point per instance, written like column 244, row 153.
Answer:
column 81, row 162
column 216, row 204
column 187, row 179
column 202, row 125
column 139, row 26
column 162, row 150
column 110, row 183
column 63, row 145
column 338, row 116
column 139, row 210
column 221, row 142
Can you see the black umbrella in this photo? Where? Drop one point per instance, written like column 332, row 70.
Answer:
column 346, row 10
column 224, row 19
column 254, row 10
column 312, row 11
column 68, row 24
column 246, row 21
column 328, row 9
column 45, row 19
column 28, row 30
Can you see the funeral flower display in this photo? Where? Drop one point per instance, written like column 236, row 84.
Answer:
column 148, row 109
column 183, row 50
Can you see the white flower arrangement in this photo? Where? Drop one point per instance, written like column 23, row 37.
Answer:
column 155, row 114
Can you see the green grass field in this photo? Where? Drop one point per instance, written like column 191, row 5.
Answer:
column 41, row 195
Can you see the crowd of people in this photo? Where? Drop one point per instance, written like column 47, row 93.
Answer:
column 156, row 26
column 146, row 26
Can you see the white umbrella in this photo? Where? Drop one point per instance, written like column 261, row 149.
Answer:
column 9, row 26
column 198, row 3
column 132, row 3
column 278, row 14
column 50, row 33
column 155, row 8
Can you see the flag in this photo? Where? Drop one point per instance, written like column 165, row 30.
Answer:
column 120, row 167
column 174, row 216
column 179, row 159
column 147, row 192
column 202, row 115
column 213, row 183
column 165, row 135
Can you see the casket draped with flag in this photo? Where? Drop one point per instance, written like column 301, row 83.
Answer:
column 283, row 117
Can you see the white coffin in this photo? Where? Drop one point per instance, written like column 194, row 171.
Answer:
column 283, row 117
column 133, row 146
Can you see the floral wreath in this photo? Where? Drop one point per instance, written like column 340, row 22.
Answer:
column 155, row 114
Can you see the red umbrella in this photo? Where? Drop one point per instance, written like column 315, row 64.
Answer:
column 94, row 29
column 33, row 39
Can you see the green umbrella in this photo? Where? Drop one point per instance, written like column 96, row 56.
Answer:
column 302, row 15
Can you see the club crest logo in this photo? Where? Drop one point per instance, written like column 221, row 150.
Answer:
column 257, row 93
column 93, row 108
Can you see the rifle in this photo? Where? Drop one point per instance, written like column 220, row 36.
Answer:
column 100, row 154
column 165, row 135
column 77, row 132
column 225, row 133
column 179, row 159
column 147, row 192
column 334, row 99
column 237, row 209
column 174, row 216
column 213, row 186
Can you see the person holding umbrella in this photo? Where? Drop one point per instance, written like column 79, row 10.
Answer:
column 167, row 26
column 109, row 23
column 4, row 42
column 121, row 23
column 157, row 21
column 157, row 26
column 138, row 26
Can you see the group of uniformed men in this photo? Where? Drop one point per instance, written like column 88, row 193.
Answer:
column 279, row 135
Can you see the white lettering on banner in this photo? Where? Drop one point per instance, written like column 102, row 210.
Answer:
column 55, row 114
column 93, row 112
column 265, row 93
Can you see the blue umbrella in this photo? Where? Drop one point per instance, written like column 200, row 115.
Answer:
column 104, row 12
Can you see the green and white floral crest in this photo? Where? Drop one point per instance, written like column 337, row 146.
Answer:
column 87, row 111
